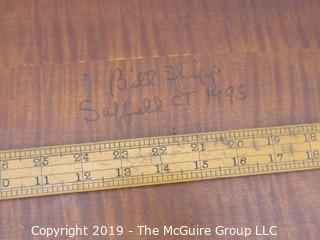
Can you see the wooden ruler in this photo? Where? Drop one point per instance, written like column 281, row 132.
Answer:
column 157, row 160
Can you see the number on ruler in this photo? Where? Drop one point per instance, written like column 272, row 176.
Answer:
column 273, row 140
column 45, row 180
column 81, row 157
column 41, row 161
column 5, row 182
column 120, row 154
column 310, row 137
column 83, row 177
column 201, row 164
column 197, row 147
column 275, row 157
column 311, row 155
column 235, row 143
column 4, row 164
column 158, row 151
column 123, row 172
column 239, row 161
column 162, row 168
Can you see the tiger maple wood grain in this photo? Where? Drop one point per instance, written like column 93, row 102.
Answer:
column 46, row 48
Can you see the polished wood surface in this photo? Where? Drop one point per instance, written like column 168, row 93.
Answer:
column 64, row 64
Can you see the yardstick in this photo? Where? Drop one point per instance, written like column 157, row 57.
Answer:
column 158, row 160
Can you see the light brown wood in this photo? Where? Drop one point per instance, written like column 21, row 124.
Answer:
column 56, row 54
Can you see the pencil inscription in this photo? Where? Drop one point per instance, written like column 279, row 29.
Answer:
column 181, row 83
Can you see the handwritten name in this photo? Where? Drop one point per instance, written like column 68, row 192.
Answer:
column 121, row 110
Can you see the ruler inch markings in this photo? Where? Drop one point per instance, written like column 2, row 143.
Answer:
column 214, row 159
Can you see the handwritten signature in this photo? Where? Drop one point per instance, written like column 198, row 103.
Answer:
column 122, row 113
column 118, row 80
column 121, row 81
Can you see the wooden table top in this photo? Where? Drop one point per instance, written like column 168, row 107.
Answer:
column 70, row 69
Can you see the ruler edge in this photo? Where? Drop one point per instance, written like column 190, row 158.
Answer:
column 98, row 189
column 6, row 151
